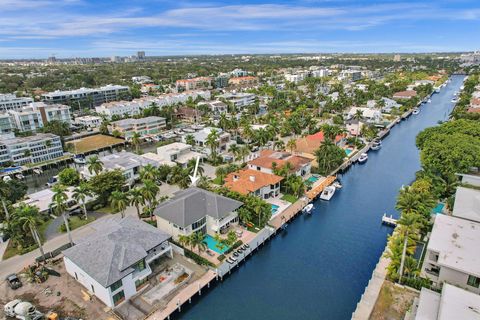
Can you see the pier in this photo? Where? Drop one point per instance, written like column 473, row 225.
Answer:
column 389, row 220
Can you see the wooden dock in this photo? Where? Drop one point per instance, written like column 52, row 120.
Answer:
column 312, row 194
column 389, row 220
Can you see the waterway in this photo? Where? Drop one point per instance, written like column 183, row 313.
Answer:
column 319, row 267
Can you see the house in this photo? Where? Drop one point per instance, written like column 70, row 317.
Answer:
column 260, row 184
column 196, row 210
column 307, row 145
column 389, row 105
column 371, row 104
column 354, row 127
column 467, row 204
column 89, row 121
column 142, row 126
column 452, row 303
column 200, row 138
column 270, row 159
column 113, row 263
column 128, row 163
column 43, row 200
column 452, row 253
column 217, row 107
column 189, row 114
column 369, row 115
column 405, row 95
column 174, row 153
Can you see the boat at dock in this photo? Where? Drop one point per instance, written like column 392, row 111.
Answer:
column 328, row 193
column 363, row 158
column 308, row 208
column 376, row 145
column 389, row 220
column 19, row 176
column 37, row 171
column 79, row 159
column 337, row 185
column 416, row 111
column 429, row 101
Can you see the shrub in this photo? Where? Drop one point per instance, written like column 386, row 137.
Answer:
column 221, row 257
column 199, row 260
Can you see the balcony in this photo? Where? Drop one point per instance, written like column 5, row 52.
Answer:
column 433, row 271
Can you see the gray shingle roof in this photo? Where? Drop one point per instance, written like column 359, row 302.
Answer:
column 107, row 255
column 192, row 204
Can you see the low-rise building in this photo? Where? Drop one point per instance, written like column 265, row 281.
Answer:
column 89, row 121
column 94, row 97
column 188, row 114
column 257, row 183
column 200, row 137
column 196, row 210
column 467, row 204
column 354, row 127
column 143, row 126
column 193, row 84
column 113, row 263
column 43, row 200
column 389, row 105
column 452, row 253
column 243, row 81
column 50, row 112
column 217, row 107
column 26, row 119
column 240, row 99
column 369, row 115
column 452, row 303
column 176, row 153
column 32, row 149
column 12, row 102
column 6, row 123
column 268, row 160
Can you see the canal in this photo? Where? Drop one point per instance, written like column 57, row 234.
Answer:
column 319, row 267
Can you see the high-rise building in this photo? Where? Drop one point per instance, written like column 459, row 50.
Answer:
column 141, row 55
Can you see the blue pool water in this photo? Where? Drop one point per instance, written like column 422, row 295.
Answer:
column 4, row 170
column 313, row 179
column 274, row 209
column 348, row 151
column 438, row 209
column 319, row 267
column 212, row 244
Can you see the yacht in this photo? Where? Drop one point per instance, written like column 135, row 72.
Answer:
column 79, row 159
column 376, row 145
column 308, row 208
column 416, row 111
column 437, row 90
column 363, row 158
column 337, row 185
column 19, row 176
column 327, row 193
column 429, row 101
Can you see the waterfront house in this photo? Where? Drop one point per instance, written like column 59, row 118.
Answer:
column 452, row 253
column 89, row 121
column 451, row 303
column 127, row 162
column 200, row 138
column 257, row 183
column 467, row 204
column 389, row 105
column 369, row 115
column 405, row 95
column 196, row 210
column 354, row 127
column 270, row 159
column 114, row 263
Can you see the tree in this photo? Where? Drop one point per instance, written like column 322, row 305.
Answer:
column 243, row 152
column 29, row 217
column 136, row 199
column 292, row 145
column 213, row 143
column 329, row 156
column 191, row 164
column 103, row 184
column 280, row 145
column 57, row 127
column 190, row 139
column 119, row 202
column 69, row 177
column 4, row 193
column 59, row 206
column 136, row 141
column 148, row 172
column 184, row 240
column 150, row 191
column 408, row 227
column 80, row 195
column 94, row 165
column 196, row 241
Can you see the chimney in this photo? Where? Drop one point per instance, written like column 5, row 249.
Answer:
column 252, row 178
column 235, row 177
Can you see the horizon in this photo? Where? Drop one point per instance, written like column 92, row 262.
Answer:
column 66, row 29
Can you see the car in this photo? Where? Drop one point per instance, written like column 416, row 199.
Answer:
column 76, row 211
column 13, row 281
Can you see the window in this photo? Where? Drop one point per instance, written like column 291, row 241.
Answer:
column 140, row 283
column 139, row 266
column 199, row 223
column 116, row 285
column 118, row 297
column 93, row 289
column 473, row 281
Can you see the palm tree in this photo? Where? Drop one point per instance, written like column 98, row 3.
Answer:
column 59, row 204
column 408, row 226
column 94, row 165
column 196, row 241
column 279, row 145
column 136, row 199
column 213, row 143
column 148, row 172
column 190, row 139
column 150, row 191
column 30, row 218
column 191, row 164
column 136, row 141
column 4, row 194
column 234, row 148
column 292, row 145
column 184, row 240
column 358, row 116
column 119, row 202
column 80, row 194
column 243, row 152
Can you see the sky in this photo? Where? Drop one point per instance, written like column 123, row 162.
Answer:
column 104, row 28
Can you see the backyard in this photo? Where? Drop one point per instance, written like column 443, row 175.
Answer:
column 92, row 143
column 392, row 302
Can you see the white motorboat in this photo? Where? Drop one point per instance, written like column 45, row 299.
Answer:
column 376, row 145
column 19, row 176
column 7, row 178
column 37, row 171
column 79, row 159
column 416, row 111
column 337, row 185
column 454, row 100
column 437, row 90
column 308, row 208
column 363, row 158
column 328, row 193
column 429, row 101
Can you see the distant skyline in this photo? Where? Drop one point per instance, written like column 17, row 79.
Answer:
column 85, row 28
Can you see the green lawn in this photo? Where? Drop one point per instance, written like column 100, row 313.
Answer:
column 290, row 198
column 76, row 222
column 217, row 180
column 106, row 209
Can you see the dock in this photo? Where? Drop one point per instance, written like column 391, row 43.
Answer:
column 312, row 194
column 389, row 220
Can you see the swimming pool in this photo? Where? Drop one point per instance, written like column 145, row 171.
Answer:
column 439, row 208
column 5, row 170
column 212, row 244
column 348, row 151
column 274, row 209
column 312, row 179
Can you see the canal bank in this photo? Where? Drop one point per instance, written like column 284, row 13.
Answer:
column 319, row 267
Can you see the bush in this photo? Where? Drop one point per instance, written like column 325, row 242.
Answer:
column 221, row 257
column 69, row 177
column 150, row 222
column 199, row 260
column 235, row 246
column 417, row 283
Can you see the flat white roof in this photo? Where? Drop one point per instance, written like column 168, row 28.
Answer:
column 428, row 305
column 457, row 242
column 467, row 204
column 457, row 303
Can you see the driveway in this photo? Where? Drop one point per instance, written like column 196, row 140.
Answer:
column 52, row 229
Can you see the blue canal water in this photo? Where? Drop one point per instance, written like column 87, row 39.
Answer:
column 319, row 267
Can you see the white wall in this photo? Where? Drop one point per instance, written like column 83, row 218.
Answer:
column 456, row 278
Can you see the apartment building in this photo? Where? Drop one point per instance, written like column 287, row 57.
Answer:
column 120, row 108
column 94, row 97
column 143, row 126
column 193, row 84
column 37, row 114
column 33, row 149
column 240, row 99
column 6, row 124
column 12, row 102
column 174, row 153
column 243, row 81
column 50, row 112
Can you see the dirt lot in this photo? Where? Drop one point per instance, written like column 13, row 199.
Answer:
column 62, row 295
column 95, row 142
column 393, row 302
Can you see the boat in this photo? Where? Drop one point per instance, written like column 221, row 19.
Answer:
column 437, row 90
column 327, row 193
column 19, row 176
column 454, row 100
column 79, row 159
column 284, row 226
column 363, row 158
column 337, row 185
column 308, row 208
column 37, row 171
column 416, row 111
column 429, row 100
column 376, row 145
column 7, row 178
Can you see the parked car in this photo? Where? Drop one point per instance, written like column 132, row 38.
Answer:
column 13, row 281
column 76, row 211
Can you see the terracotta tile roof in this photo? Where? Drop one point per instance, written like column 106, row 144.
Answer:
column 473, row 110
column 475, row 102
column 268, row 157
column 306, row 145
column 246, row 181
column 320, row 136
column 405, row 94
